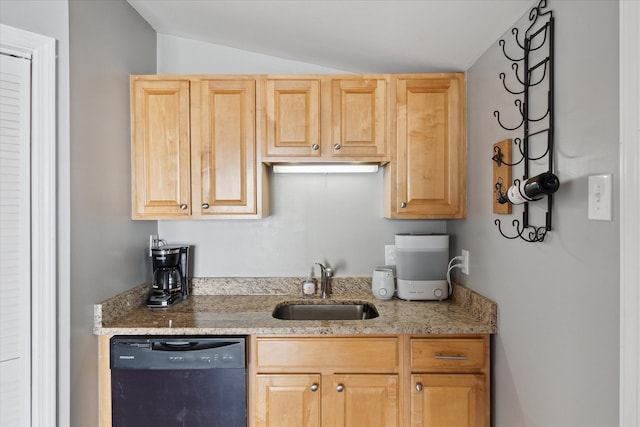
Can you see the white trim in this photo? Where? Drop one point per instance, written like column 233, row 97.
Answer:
column 629, row 213
column 43, row 219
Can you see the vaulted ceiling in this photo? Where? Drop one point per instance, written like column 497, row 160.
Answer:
column 366, row 36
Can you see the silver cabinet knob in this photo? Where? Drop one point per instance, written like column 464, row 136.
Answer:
column 314, row 387
column 336, row 146
column 340, row 388
column 403, row 204
column 183, row 206
column 419, row 387
column 315, row 147
column 205, row 206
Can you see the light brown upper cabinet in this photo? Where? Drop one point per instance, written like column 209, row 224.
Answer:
column 194, row 148
column 201, row 142
column 161, row 148
column 359, row 115
column 223, row 132
column 324, row 118
column 292, row 117
column 426, row 177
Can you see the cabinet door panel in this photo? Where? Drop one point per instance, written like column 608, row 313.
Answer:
column 287, row 400
column 225, row 136
column 293, row 118
column 368, row 400
column 359, row 118
column 431, row 148
column 161, row 149
column 452, row 400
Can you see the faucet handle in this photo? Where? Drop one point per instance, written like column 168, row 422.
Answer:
column 328, row 272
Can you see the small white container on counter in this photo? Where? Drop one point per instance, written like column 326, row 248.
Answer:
column 383, row 284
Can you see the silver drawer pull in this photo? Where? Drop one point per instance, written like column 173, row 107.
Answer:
column 340, row 388
column 445, row 357
column 419, row 387
column 314, row 387
column 183, row 207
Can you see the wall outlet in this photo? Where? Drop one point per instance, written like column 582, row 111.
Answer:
column 153, row 242
column 390, row 255
column 465, row 261
column 600, row 197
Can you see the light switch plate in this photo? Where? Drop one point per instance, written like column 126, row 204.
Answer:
column 600, row 197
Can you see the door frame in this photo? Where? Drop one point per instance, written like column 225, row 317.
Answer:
column 42, row 50
column 629, row 409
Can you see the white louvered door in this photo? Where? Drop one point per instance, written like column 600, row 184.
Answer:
column 15, row 238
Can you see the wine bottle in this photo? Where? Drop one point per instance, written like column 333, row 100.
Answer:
column 527, row 191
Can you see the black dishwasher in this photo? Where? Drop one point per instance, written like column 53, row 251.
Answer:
column 178, row 381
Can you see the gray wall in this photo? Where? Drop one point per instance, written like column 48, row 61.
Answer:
column 108, row 41
column 337, row 219
column 51, row 18
column 556, row 352
column 100, row 249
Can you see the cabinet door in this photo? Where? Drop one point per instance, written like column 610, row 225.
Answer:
column 359, row 118
column 430, row 148
column 452, row 400
column 160, row 149
column 292, row 123
column 365, row 400
column 224, row 160
column 288, row 400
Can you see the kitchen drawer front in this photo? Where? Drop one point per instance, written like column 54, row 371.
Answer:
column 447, row 353
column 334, row 354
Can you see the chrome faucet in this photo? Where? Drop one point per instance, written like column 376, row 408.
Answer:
column 326, row 274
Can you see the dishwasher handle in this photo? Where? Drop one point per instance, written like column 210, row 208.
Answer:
column 182, row 345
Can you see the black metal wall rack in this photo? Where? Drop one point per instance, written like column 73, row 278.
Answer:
column 536, row 145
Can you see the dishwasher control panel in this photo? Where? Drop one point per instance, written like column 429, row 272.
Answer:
column 184, row 352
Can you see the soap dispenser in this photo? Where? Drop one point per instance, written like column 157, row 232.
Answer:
column 309, row 286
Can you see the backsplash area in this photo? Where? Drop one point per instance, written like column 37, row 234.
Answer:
column 340, row 286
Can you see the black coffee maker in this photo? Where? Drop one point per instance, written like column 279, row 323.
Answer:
column 170, row 273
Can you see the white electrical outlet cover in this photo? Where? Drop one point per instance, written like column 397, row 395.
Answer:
column 600, row 197
column 465, row 261
column 390, row 254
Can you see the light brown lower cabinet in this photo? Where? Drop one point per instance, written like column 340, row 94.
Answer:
column 364, row 400
column 287, row 400
column 300, row 400
column 449, row 381
column 448, row 400
column 386, row 381
column 325, row 381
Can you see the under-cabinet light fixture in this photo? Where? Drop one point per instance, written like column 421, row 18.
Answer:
column 326, row 168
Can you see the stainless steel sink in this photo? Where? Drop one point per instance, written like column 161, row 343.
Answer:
column 348, row 310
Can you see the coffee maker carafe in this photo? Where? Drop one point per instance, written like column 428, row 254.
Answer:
column 170, row 273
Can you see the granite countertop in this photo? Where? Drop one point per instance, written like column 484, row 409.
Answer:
column 243, row 306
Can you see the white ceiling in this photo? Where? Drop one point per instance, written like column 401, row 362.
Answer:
column 366, row 36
